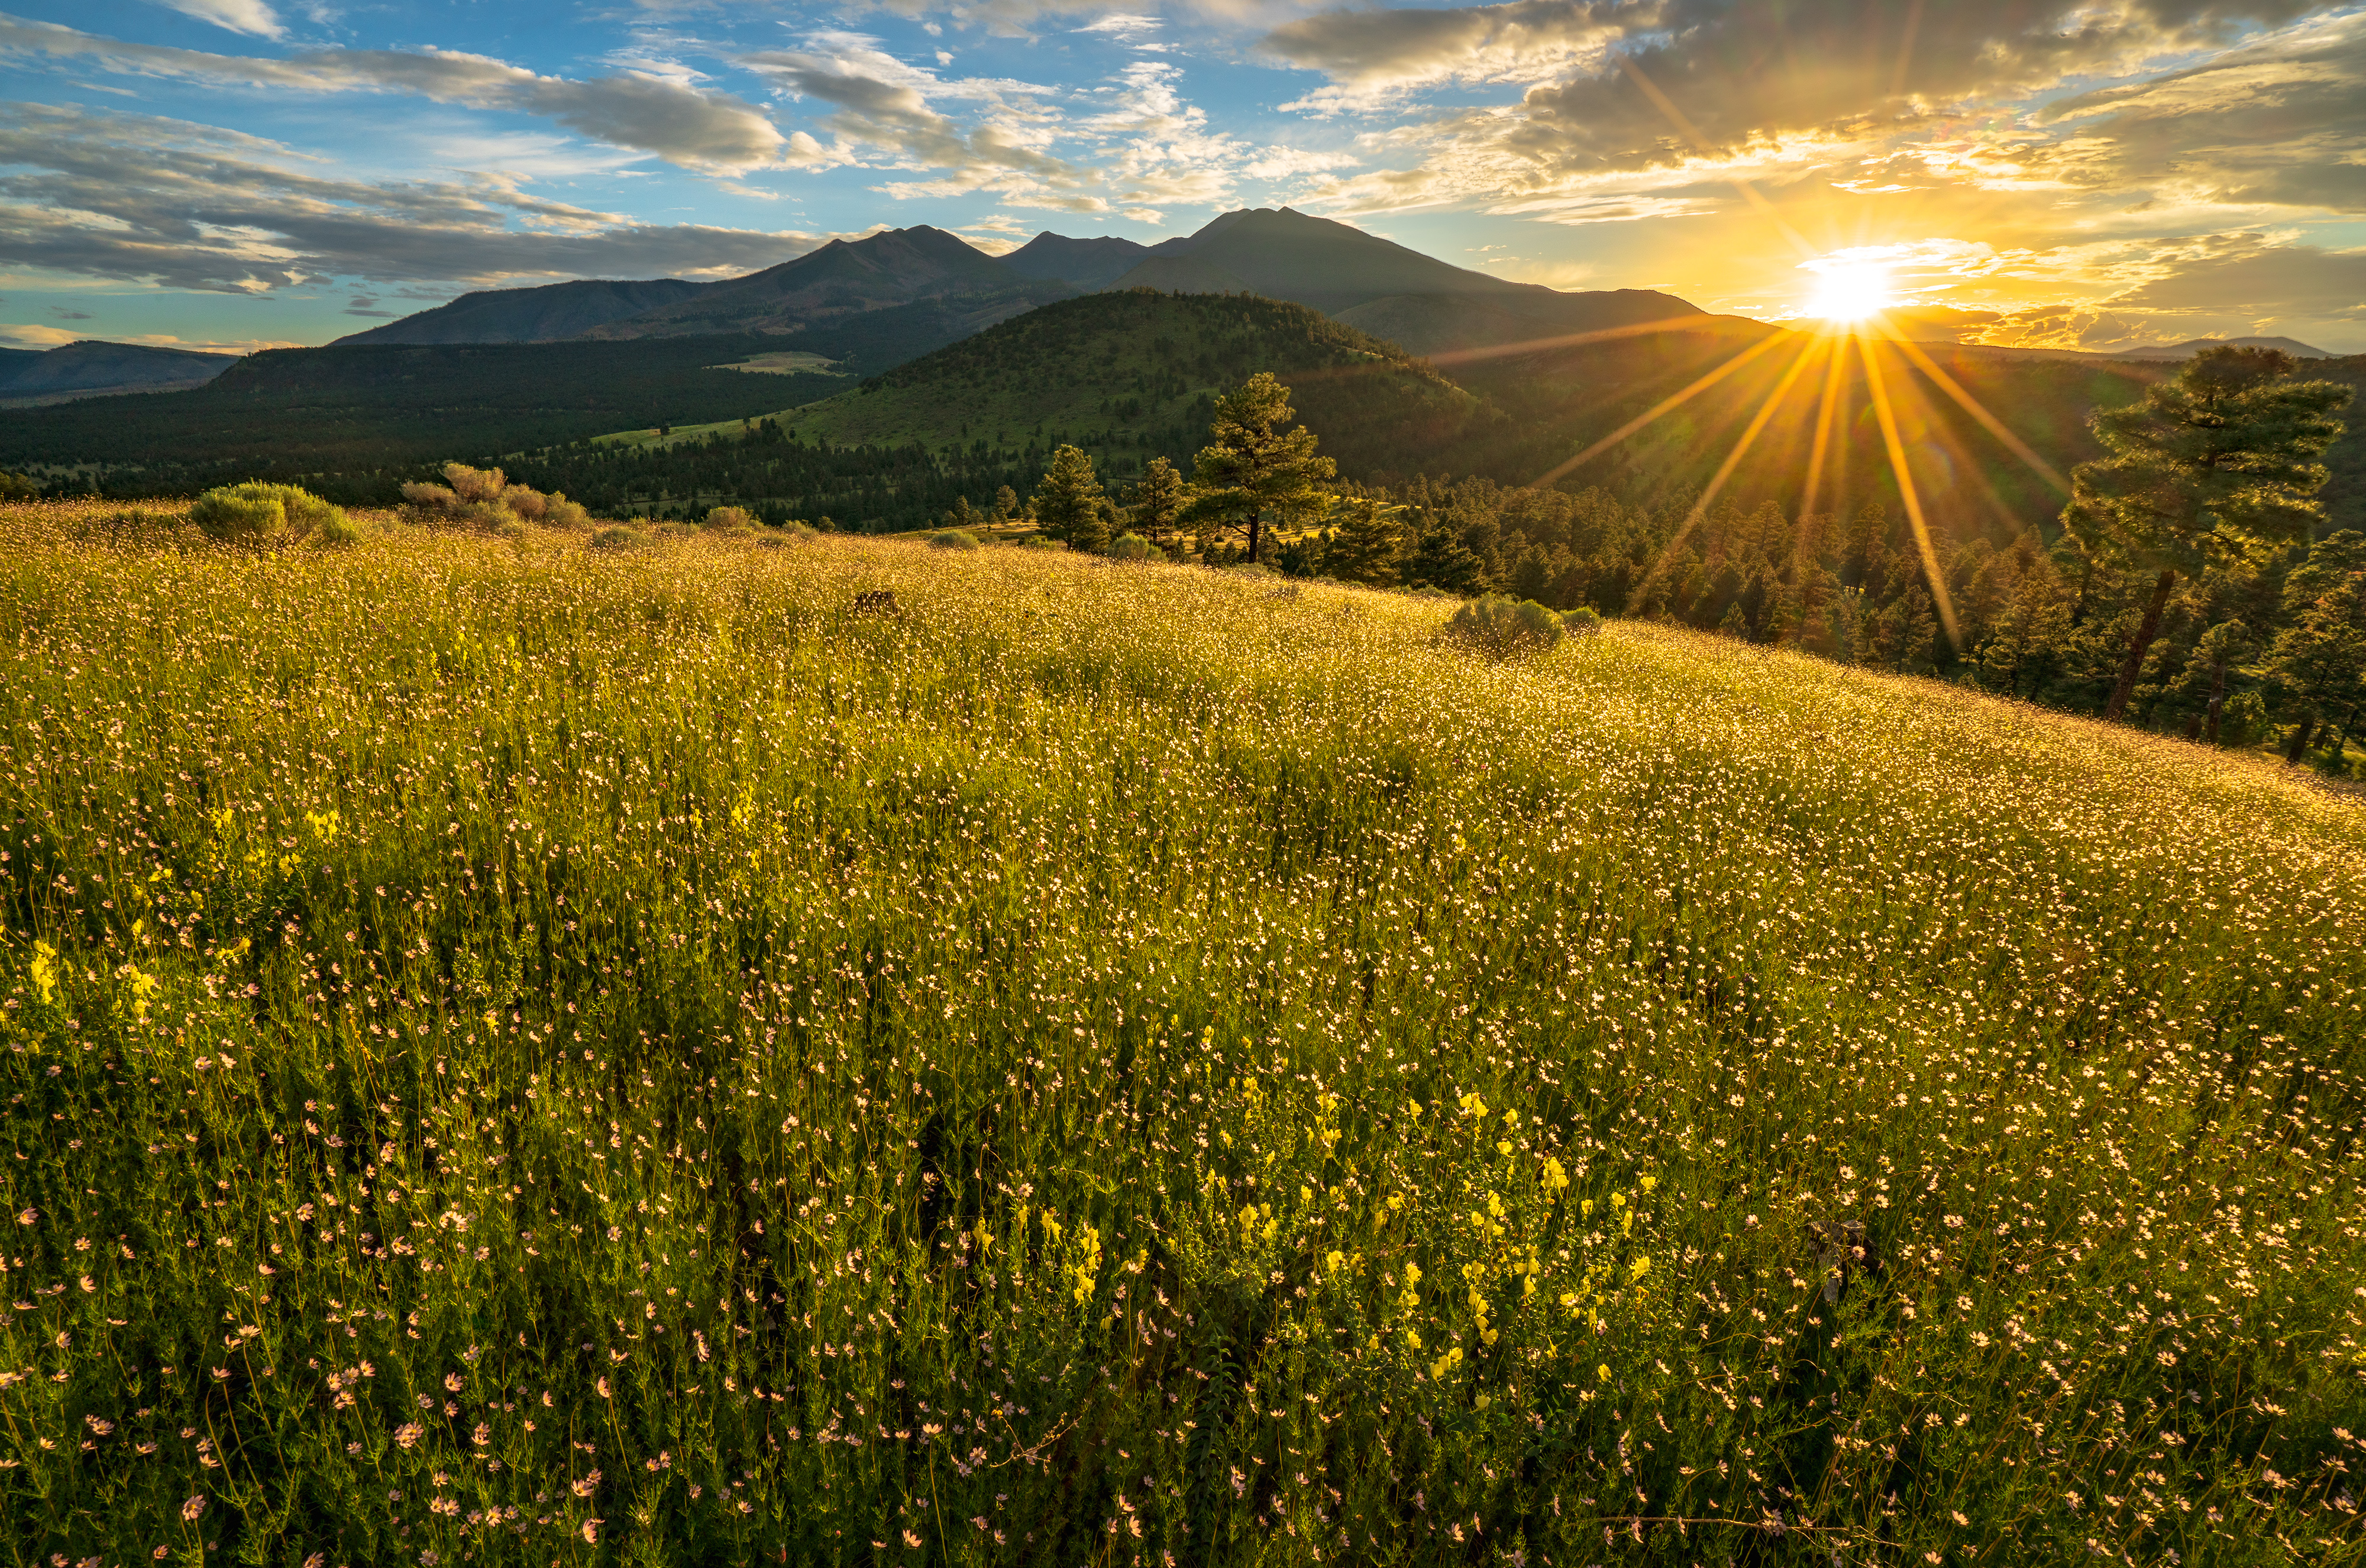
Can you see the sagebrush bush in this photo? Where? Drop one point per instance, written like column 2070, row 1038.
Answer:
column 618, row 539
column 729, row 517
column 1501, row 627
column 1583, row 621
column 483, row 499
column 1134, row 546
column 952, row 539
column 266, row 515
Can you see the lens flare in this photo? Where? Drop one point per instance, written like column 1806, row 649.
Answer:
column 1850, row 292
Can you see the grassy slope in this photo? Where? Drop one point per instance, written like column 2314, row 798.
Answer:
column 865, row 1074
column 1134, row 373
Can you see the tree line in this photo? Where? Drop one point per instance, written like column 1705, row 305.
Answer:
column 2186, row 587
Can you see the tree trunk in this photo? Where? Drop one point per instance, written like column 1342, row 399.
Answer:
column 2217, row 697
column 1254, row 518
column 2139, row 645
column 2299, row 746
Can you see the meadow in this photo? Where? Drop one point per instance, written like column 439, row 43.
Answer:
column 520, row 1053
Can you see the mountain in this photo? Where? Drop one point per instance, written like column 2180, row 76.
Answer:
column 1424, row 305
column 1087, row 264
column 545, row 314
column 2192, row 346
column 1134, row 374
column 91, row 368
column 843, row 278
column 1182, row 274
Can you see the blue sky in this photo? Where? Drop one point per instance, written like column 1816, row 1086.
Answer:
column 240, row 173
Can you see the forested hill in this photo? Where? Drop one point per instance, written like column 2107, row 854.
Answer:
column 1132, row 375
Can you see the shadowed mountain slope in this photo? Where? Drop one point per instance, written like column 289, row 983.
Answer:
column 844, row 278
column 91, row 368
column 1087, row 264
column 545, row 314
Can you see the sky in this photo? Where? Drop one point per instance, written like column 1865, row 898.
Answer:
column 241, row 174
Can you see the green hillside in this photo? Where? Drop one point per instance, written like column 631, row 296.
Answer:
column 518, row 1053
column 1130, row 375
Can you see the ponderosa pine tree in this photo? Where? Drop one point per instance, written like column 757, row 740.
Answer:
column 1260, row 470
column 1158, row 499
column 2319, row 659
column 1364, row 546
column 2214, row 465
column 1068, row 502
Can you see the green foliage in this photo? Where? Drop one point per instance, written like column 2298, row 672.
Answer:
column 1501, row 629
column 269, row 515
column 18, row 486
column 1069, row 504
column 1581, row 622
column 618, row 539
column 952, row 539
column 1364, row 545
column 2208, row 467
column 729, row 517
column 1258, row 470
column 2212, row 468
column 1134, row 546
column 1098, row 1024
column 1157, row 507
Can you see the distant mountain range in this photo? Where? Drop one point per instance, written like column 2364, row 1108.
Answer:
column 30, row 377
column 1417, row 301
column 2192, row 346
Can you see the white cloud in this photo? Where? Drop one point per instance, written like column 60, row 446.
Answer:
column 252, row 17
column 103, row 194
column 696, row 129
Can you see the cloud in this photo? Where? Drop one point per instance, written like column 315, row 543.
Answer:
column 2278, row 123
column 680, row 124
column 239, row 15
column 25, row 335
column 1370, row 55
column 63, row 314
column 98, row 194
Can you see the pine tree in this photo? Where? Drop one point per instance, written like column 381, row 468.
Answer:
column 1442, row 558
column 1158, row 501
column 1364, row 546
column 1260, row 469
column 1735, row 625
column 2319, row 659
column 2211, row 466
column 1069, row 502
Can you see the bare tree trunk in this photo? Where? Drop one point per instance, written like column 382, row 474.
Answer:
column 2299, row 746
column 1254, row 518
column 2217, row 697
column 2139, row 645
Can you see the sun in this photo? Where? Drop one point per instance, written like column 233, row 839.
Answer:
column 1850, row 292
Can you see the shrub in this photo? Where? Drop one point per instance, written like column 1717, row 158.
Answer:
column 1583, row 621
column 1501, row 627
column 269, row 514
column 952, row 539
column 18, row 486
column 616, row 539
column 729, row 517
column 1038, row 542
column 484, row 499
column 1134, row 546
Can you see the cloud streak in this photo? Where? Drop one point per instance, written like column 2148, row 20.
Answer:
column 145, row 200
column 696, row 129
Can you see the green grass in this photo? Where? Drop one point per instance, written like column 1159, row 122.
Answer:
column 518, row 1055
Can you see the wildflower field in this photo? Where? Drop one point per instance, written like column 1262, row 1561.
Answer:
column 517, row 1054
